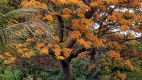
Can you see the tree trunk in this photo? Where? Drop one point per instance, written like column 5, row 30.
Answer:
column 67, row 70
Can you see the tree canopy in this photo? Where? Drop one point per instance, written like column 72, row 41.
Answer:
column 105, row 32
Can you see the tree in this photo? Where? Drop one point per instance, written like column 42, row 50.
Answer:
column 72, row 32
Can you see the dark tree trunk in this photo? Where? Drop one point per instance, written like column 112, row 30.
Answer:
column 67, row 70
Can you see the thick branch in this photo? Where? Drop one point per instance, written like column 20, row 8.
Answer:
column 89, row 13
column 92, row 52
column 51, row 52
column 61, row 28
column 75, row 54
column 87, row 2
column 67, row 70
column 69, row 28
column 71, row 43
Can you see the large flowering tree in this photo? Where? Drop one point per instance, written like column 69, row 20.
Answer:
column 100, row 30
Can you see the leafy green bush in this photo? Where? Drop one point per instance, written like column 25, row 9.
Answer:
column 7, row 73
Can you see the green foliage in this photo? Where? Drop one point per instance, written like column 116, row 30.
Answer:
column 8, row 73
column 115, row 67
column 5, row 2
column 92, row 75
column 3, row 18
column 79, row 68
column 135, row 75
column 56, row 75
column 139, row 47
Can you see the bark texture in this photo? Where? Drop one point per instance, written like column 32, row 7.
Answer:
column 67, row 70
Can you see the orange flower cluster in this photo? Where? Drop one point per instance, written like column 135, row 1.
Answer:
column 57, row 51
column 130, row 35
column 75, row 22
column 39, row 45
column 88, row 22
column 93, row 39
column 124, row 28
column 75, row 35
column 66, row 52
column 139, row 18
column 84, row 7
column 128, row 63
column 136, row 3
column 2, row 57
column 120, row 75
column 82, row 54
column 16, row 45
column 129, row 15
column 60, row 57
column 33, row 3
column 44, row 50
column 137, row 29
column 115, row 46
column 21, row 50
column 98, row 2
column 91, row 67
column 24, row 51
column 93, row 4
column 79, row 25
column 124, row 22
column 66, row 16
column 80, row 13
column 28, row 54
column 10, row 60
column 116, row 16
column 111, row 1
column 66, row 13
column 114, row 55
column 59, row 2
column 86, row 44
column 82, row 28
column 49, row 17
column 113, row 17
column 8, row 54
column 56, row 39
column 30, row 40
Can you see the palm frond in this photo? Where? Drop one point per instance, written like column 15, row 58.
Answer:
column 22, row 12
column 9, row 33
column 26, row 29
